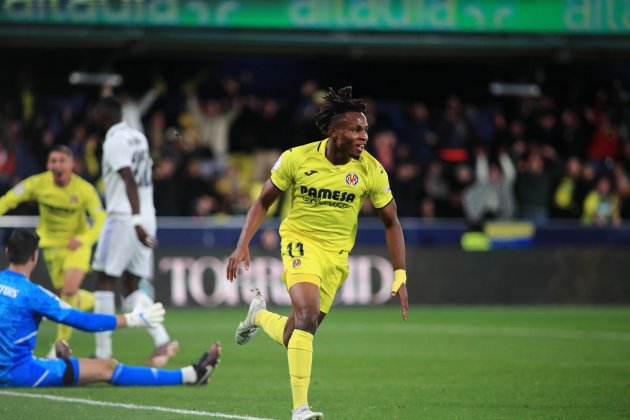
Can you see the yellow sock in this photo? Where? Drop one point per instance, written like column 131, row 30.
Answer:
column 300, row 355
column 86, row 300
column 63, row 331
column 272, row 324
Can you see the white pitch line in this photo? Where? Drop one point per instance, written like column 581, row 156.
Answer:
column 132, row 406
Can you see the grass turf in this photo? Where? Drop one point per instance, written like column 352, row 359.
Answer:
column 444, row 362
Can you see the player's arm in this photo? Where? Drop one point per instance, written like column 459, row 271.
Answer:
column 20, row 193
column 396, row 246
column 97, row 214
column 51, row 307
column 134, row 200
column 255, row 216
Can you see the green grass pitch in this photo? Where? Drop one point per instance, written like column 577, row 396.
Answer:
column 443, row 363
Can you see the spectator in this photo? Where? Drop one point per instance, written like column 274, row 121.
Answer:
column 566, row 200
column 601, row 206
column 491, row 194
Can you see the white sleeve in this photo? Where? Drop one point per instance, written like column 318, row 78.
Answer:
column 117, row 153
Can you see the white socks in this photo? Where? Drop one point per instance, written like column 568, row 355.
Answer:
column 140, row 298
column 189, row 375
column 104, row 304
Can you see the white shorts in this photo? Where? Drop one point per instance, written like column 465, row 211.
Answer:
column 119, row 249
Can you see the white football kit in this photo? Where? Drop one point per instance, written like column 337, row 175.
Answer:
column 119, row 248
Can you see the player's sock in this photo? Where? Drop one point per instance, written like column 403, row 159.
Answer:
column 136, row 375
column 139, row 297
column 300, row 355
column 86, row 300
column 104, row 304
column 273, row 324
column 64, row 332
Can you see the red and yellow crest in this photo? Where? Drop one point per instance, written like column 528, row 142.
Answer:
column 352, row 179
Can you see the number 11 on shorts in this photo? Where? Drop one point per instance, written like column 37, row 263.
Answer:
column 299, row 246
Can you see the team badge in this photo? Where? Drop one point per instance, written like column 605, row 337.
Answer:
column 74, row 199
column 297, row 263
column 352, row 179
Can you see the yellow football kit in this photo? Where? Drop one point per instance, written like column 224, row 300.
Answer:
column 62, row 214
column 320, row 229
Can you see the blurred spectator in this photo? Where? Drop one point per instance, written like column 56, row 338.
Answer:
column 604, row 145
column 571, row 141
column 417, row 133
column 212, row 122
column 566, row 201
column 167, row 191
column 601, row 206
column 533, row 189
column 134, row 109
column 271, row 138
column 491, row 194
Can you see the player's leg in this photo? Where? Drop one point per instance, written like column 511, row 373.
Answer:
column 305, row 303
column 290, row 326
column 105, row 303
column 165, row 347
column 91, row 370
column 115, row 248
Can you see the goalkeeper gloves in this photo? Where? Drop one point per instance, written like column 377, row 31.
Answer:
column 149, row 317
column 400, row 278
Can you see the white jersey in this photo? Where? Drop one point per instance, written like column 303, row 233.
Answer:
column 127, row 147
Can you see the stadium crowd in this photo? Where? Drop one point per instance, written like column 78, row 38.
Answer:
column 528, row 158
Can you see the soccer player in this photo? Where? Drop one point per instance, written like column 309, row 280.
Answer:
column 22, row 306
column 329, row 180
column 125, row 246
column 64, row 199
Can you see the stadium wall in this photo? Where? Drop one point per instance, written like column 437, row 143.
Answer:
column 190, row 269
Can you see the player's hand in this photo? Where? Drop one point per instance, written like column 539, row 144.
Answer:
column 146, row 239
column 239, row 255
column 150, row 317
column 74, row 243
column 404, row 299
column 399, row 287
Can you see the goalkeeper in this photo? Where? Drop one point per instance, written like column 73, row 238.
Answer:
column 22, row 306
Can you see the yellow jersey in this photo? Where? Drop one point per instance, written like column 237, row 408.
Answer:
column 62, row 210
column 326, row 198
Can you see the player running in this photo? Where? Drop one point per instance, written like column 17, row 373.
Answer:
column 328, row 180
column 125, row 246
column 64, row 199
column 22, row 306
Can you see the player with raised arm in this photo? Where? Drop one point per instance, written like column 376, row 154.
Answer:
column 22, row 306
column 64, row 200
column 329, row 180
column 125, row 246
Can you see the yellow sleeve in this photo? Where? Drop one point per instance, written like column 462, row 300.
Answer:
column 282, row 173
column 379, row 190
column 590, row 206
column 95, row 209
column 22, row 192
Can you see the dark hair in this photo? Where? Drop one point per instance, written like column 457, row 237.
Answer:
column 21, row 245
column 110, row 104
column 63, row 149
column 337, row 104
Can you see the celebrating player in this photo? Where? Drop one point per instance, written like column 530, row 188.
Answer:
column 329, row 180
column 64, row 200
column 125, row 246
column 22, row 306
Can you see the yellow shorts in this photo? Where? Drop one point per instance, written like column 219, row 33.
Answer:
column 301, row 256
column 59, row 259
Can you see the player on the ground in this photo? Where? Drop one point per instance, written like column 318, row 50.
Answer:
column 64, row 199
column 125, row 246
column 22, row 306
column 329, row 180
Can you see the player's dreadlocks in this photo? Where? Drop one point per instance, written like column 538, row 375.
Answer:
column 337, row 104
